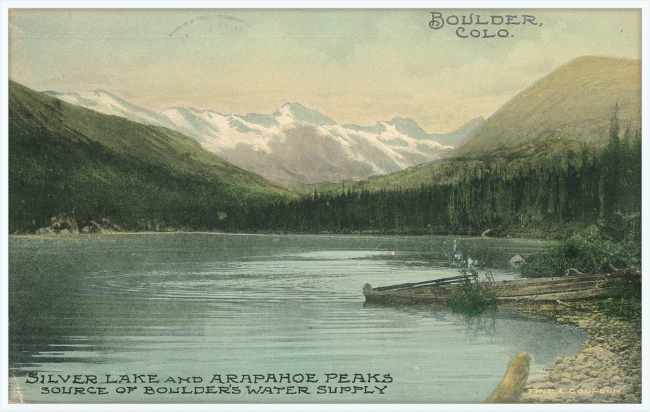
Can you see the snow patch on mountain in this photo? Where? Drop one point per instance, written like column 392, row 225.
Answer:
column 295, row 145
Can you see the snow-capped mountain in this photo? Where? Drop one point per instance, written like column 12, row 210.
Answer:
column 103, row 102
column 295, row 145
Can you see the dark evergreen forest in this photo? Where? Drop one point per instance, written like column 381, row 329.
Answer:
column 559, row 193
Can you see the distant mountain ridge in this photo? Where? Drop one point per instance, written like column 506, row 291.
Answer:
column 295, row 145
column 575, row 101
column 566, row 111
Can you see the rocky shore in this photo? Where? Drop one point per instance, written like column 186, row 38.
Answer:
column 608, row 370
column 66, row 226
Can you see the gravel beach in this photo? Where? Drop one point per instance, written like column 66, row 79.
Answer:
column 608, row 370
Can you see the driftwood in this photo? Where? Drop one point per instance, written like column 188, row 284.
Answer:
column 513, row 384
column 437, row 282
column 553, row 297
column 574, row 271
column 564, row 289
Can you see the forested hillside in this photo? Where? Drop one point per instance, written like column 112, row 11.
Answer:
column 553, row 188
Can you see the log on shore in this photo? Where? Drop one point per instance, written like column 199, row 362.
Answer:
column 513, row 384
column 518, row 290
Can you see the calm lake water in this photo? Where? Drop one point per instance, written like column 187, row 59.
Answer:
column 199, row 305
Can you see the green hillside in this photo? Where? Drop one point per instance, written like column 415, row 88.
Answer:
column 575, row 101
column 69, row 161
column 570, row 108
column 448, row 171
column 549, row 187
column 555, row 188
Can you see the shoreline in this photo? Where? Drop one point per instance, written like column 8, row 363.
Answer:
column 69, row 227
column 607, row 370
column 78, row 235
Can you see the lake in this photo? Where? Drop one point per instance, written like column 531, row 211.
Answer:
column 196, row 306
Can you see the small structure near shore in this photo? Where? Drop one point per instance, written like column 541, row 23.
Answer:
column 517, row 262
column 436, row 292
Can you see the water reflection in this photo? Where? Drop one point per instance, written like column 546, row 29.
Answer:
column 483, row 326
column 201, row 304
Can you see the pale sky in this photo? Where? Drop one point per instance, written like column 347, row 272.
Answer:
column 355, row 66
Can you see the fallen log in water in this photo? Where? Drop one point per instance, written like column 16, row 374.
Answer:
column 518, row 290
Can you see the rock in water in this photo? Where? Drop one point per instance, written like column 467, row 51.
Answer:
column 517, row 261
column 367, row 287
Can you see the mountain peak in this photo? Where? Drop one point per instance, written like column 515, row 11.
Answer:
column 403, row 120
column 600, row 59
column 305, row 114
column 575, row 101
column 408, row 126
column 296, row 105
column 102, row 92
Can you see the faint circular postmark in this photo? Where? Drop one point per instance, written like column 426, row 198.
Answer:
column 211, row 25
